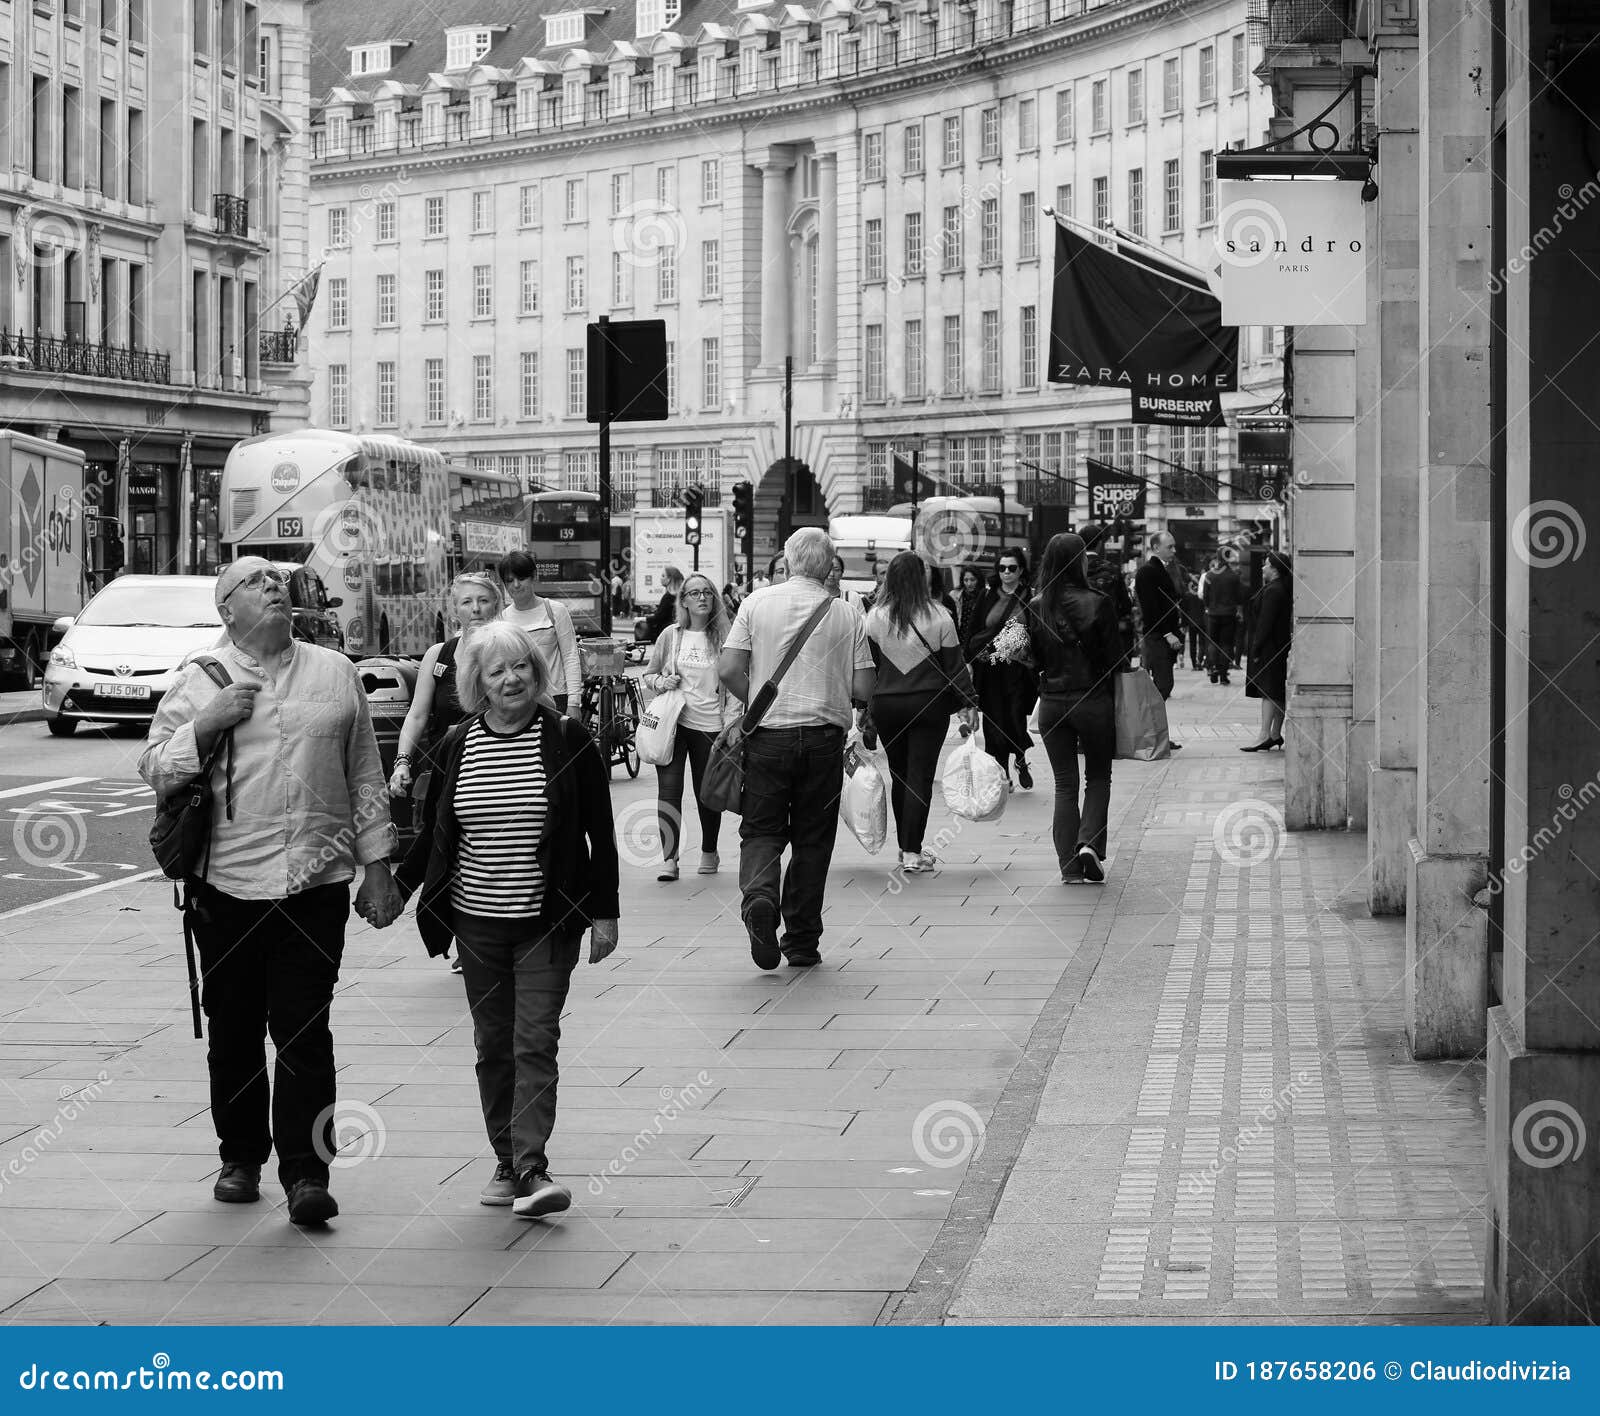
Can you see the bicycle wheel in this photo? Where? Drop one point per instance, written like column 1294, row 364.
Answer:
column 628, row 724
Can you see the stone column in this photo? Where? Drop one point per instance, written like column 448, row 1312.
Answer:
column 1391, row 529
column 1543, row 1263
column 1446, row 934
column 828, row 260
column 774, row 260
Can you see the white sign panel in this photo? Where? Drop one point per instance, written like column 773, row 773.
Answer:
column 658, row 542
column 489, row 538
column 1291, row 253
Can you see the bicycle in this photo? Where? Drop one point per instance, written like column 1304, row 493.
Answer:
column 610, row 706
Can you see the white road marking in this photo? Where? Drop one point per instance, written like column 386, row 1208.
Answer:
column 55, row 900
column 58, row 783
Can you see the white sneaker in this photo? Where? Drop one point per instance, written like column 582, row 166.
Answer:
column 910, row 862
column 669, row 870
column 710, row 863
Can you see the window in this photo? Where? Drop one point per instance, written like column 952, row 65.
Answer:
column 667, row 187
column 621, row 280
column 1064, row 98
column 386, row 393
column 1135, row 95
column 1064, row 199
column 710, row 179
column 989, row 244
column 564, row 29
column 916, row 370
column 577, row 386
column 666, row 274
column 528, row 205
column 433, row 295
column 913, row 149
column 1208, row 73
column 872, row 157
column 339, row 395
column 576, row 206
column 710, row 269
column 433, row 216
column 575, row 290
column 386, row 221
column 873, row 246
column 914, row 246
column 339, row 303
column 386, row 300
column 338, row 227
column 1238, row 63
column 711, row 373
column 1136, row 200
column 672, row 373
column 528, row 272
column 952, row 238
column 954, row 381
column 1099, row 119
column 873, row 391
column 1028, row 347
column 1172, row 185
column 433, row 390
column 528, row 386
column 989, row 133
column 952, row 141
column 1171, row 86
column 989, row 326
column 1102, row 203
column 483, row 388
column 1028, row 226
column 1027, row 124
column 482, row 211
column 619, row 192
column 482, row 292
column 1208, row 187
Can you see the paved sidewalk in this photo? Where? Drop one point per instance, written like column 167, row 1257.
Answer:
column 798, row 1146
column 21, row 706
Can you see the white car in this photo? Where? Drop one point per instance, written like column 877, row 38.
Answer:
column 123, row 650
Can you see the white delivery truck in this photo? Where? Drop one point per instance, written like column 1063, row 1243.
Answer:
column 866, row 542
column 43, row 553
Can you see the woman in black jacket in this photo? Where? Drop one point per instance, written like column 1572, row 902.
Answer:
column 1272, row 628
column 1005, row 689
column 1073, row 633
column 516, row 859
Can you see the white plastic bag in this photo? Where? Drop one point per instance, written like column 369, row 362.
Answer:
column 974, row 786
column 658, row 727
column 864, row 798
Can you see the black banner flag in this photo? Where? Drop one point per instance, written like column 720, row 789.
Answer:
column 1114, row 495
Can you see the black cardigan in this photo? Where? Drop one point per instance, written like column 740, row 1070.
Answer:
column 578, row 851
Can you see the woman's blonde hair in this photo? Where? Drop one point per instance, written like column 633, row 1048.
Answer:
column 717, row 626
column 478, row 580
column 488, row 642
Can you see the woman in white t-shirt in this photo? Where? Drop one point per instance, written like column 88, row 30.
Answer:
column 549, row 624
column 685, row 657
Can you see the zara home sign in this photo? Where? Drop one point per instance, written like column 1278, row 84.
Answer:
column 1291, row 253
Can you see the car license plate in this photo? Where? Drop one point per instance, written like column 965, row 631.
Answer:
column 123, row 690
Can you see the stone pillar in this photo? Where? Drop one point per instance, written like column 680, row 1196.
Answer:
column 1391, row 529
column 1447, row 965
column 775, row 260
column 828, row 283
column 1543, row 1263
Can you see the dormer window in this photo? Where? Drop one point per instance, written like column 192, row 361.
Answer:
column 653, row 16
column 564, row 29
column 371, row 59
column 465, row 45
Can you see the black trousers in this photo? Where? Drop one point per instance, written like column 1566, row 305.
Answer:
column 269, row 967
column 1083, row 724
column 691, row 747
column 912, row 729
column 1220, row 629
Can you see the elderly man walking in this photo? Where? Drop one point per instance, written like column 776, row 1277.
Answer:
column 300, row 801
column 794, row 761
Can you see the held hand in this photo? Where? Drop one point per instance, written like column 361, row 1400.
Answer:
column 1174, row 643
column 378, row 901
column 575, row 710
column 233, row 705
column 400, row 782
column 602, row 939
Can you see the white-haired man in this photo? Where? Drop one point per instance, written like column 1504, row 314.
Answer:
column 300, row 802
column 794, row 761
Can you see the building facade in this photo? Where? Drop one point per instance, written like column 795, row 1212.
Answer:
column 855, row 191
column 145, row 172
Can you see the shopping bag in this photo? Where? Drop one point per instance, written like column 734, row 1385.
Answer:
column 1141, row 719
column 864, row 798
column 656, row 735
column 974, row 786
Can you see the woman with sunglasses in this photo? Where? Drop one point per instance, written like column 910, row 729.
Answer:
column 685, row 657
column 1006, row 692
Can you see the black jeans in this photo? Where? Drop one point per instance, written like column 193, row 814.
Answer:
column 270, row 966
column 1157, row 656
column 1003, row 695
column 1220, row 630
column 1085, row 724
column 691, row 747
column 912, row 729
column 517, row 979
column 792, row 778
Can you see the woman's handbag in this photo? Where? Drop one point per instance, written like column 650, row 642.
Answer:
column 950, row 701
column 722, row 786
column 1141, row 719
column 656, row 736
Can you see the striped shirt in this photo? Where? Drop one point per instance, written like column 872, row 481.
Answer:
column 500, row 807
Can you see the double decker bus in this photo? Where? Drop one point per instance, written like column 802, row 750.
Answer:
column 958, row 531
column 371, row 515
column 563, row 531
column 487, row 519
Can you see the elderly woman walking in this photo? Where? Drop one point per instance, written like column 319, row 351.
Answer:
column 685, row 657
column 515, row 861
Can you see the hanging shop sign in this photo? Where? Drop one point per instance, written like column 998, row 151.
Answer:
column 1291, row 252
column 1114, row 495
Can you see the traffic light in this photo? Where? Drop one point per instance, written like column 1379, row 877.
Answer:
column 744, row 511
column 692, row 499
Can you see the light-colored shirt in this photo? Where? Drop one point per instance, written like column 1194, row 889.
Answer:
column 549, row 625
column 816, row 690
column 501, row 806
column 309, row 798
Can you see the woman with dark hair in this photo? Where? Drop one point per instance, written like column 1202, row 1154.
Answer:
column 777, row 570
column 1073, row 633
column 835, row 576
column 970, row 591
column 549, row 624
column 666, row 613
column 1272, row 628
column 921, row 678
column 1004, row 685
column 939, row 590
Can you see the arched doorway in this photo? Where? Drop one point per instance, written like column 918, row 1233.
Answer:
column 785, row 498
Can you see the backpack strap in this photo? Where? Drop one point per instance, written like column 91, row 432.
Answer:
column 217, row 672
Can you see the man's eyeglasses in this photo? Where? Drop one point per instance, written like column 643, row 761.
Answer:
column 256, row 581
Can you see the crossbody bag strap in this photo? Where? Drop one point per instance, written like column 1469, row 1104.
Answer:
column 933, row 658
column 752, row 719
column 218, row 675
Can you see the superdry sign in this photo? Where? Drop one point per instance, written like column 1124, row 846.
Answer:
column 1291, row 253
column 1114, row 495
column 1117, row 322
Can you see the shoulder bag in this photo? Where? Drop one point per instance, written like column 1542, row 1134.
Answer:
column 950, row 701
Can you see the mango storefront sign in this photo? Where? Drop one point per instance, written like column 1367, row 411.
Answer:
column 1291, row 253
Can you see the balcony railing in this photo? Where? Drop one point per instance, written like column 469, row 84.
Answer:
column 1044, row 491
column 51, row 355
column 673, row 496
column 877, row 498
column 232, row 214
column 1308, row 21
column 280, row 346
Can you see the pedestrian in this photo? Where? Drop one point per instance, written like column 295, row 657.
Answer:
column 1223, row 595
column 731, row 595
column 967, row 597
column 920, row 679
column 1272, row 630
column 1005, row 688
column 548, row 623
column 666, row 613
column 685, row 657
column 777, row 570
column 880, row 572
column 939, row 590
column 1194, row 621
column 516, row 859
column 835, row 575
column 299, row 804
column 794, row 761
column 1160, row 611
column 1108, row 580
column 1076, row 644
